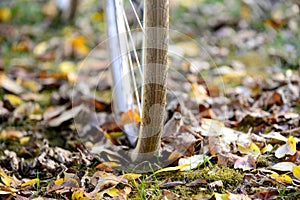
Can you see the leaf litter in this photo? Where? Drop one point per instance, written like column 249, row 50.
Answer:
column 243, row 144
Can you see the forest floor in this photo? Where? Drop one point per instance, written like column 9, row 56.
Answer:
column 234, row 77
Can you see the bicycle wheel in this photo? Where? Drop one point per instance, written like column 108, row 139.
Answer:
column 150, row 101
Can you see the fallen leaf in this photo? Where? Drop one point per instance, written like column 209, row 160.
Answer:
column 282, row 178
column 283, row 166
column 131, row 176
column 169, row 195
column 296, row 171
column 5, row 179
column 267, row 148
column 13, row 100
column 289, row 148
column 191, row 162
column 113, row 192
column 168, row 169
column 30, row 182
column 66, row 116
column 10, row 134
column 10, row 85
column 246, row 163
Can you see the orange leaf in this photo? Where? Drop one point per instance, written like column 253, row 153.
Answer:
column 130, row 117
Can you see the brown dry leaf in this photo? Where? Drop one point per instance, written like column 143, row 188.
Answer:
column 53, row 111
column 11, row 134
column 8, row 191
column 103, row 180
column 289, row 148
column 169, row 195
column 218, row 145
column 246, row 163
column 66, row 116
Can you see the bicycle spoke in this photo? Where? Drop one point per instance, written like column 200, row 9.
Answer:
column 131, row 63
column 136, row 15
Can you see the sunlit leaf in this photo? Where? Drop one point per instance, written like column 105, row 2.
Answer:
column 267, row 148
column 5, row 179
column 289, row 148
column 13, row 100
column 59, row 181
column 10, row 134
column 282, row 178
column 79, row 195
column 296, row 171
column 168, row 169
column 246, row 163
column 222, row 196
column 10, row 85
column 283, row 166
column 131, row 176
column 254, row 148
column 67, row 67
column 40, row 49
column 30, row 182
column 8, row 190
column 113, row 192
column 191, row 162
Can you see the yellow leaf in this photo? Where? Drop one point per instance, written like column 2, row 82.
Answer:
column 296, row 171
column 289, row 148
column 292, row 144
column 59, row 181
column 5, row 14
column 113, row 192
column 282, row 178
column 131, row 176
column 254, row 148
column 222, row 196
column 24, row 140
column 79, row 44
column 79, row 195
column 31, row 85
column 5, row 179
column 40, row 49
column 66, row 67
column 30, row 182
column 97, row 17
column 267, row 148
column 13, row 99
column 171, row 168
